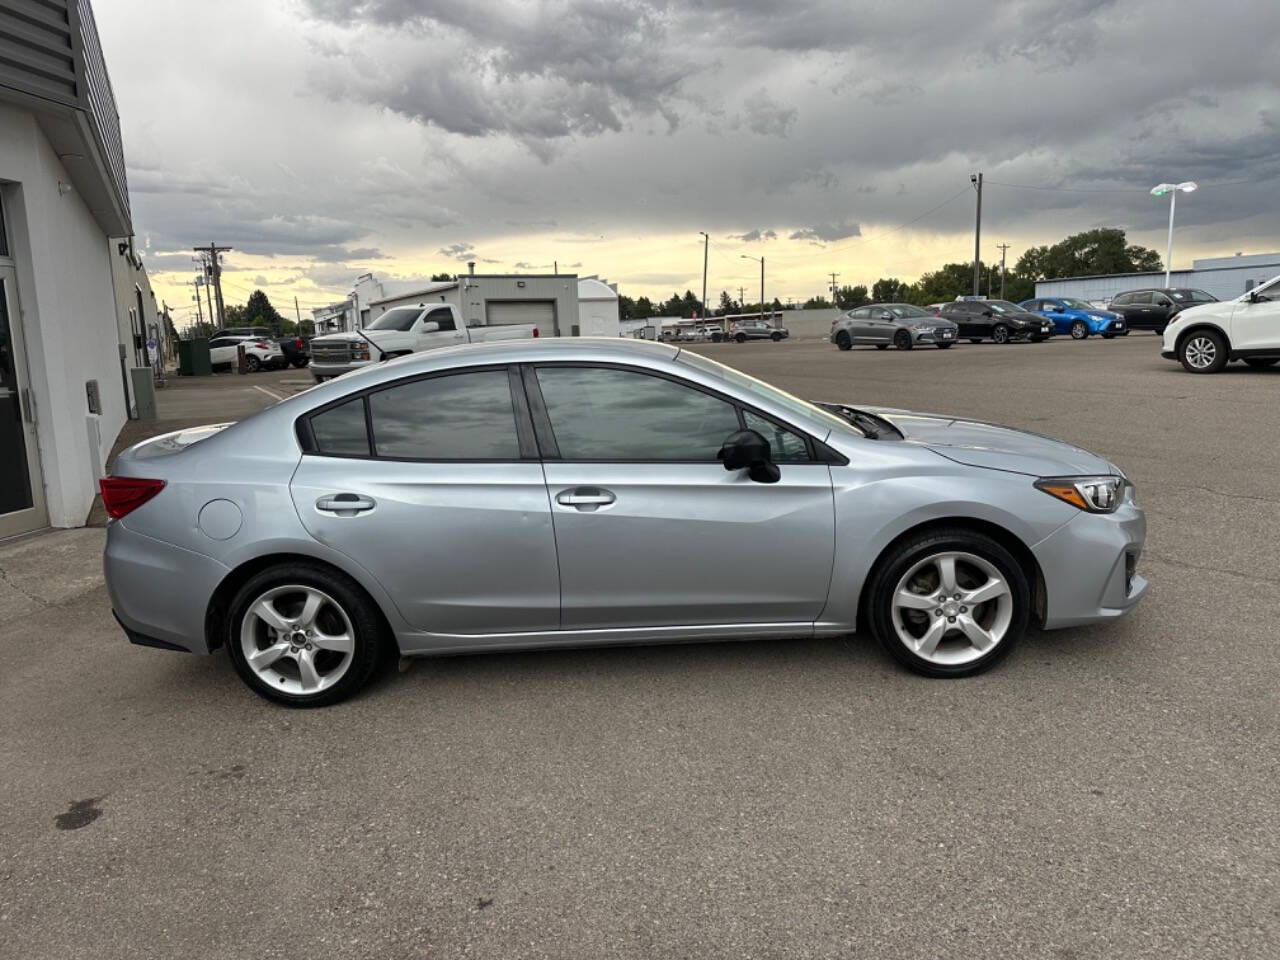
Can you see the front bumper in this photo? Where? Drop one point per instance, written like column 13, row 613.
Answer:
column 324, row 369
column 935, row 336
column 159, row 592
column 1090, row 567
column 1168, row 355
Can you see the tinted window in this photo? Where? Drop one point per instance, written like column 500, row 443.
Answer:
column 464, row 416
column 444, row 318
column 784, row 445
column 861, row 313
column 341, row 430
column 1148, row 297
column 609, row 414
column 398, row 318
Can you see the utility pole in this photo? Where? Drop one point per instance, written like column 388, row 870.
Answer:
column 297, row 313
column 761, row 259
column 215, row 271
column 199, row 312
column 209, row 296
column 742, row 297
column 834, row 300
column 706, row 246
column 1004, row 248
column 976, row 180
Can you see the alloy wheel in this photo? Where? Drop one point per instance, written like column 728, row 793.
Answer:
column 297, row 639
column 1079, row 330
column 1000, row 334
column 1201, row 352
column 952, row 608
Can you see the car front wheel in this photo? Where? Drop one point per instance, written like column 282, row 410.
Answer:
column 741, row 338
column 1079, row 330
column 949, row 603
column 303, row 635
column 775, row 337
column 1204, row 351
column 1000, row 334
column 902, row 340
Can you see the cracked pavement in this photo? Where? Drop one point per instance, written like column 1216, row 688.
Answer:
column 1107, row 792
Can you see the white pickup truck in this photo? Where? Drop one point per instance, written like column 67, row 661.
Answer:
column 404, row 330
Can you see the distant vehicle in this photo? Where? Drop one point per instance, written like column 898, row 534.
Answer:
column 1206, row 337
column 260, row 353
column 997, row 320
column 241, row 332
column 901, row 325
column 295, row 350
column 746, row 330
column 578, row 492
column 1078, row 318
column 1152, row 309
column 401, row 331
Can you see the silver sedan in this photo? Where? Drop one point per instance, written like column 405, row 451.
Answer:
column 900, row 325
column 570, row 492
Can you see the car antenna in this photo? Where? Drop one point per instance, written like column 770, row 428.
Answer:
column 382, row 354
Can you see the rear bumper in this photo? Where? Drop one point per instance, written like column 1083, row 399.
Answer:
column 159, row 593
column 1090, row 567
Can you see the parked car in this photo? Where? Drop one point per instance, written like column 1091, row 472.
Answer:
column 1078, row 318
column 295, row 350
column 746, row 330
column 1152, row 309
column 401, row 331
column 261, row 353
column 1206, row 337
column 241, row 332
column 997, row 320
column 568, row 492
column 901, row 325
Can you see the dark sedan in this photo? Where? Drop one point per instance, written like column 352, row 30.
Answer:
column 997, row 320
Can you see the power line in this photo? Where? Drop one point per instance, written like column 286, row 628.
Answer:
column 902, row 226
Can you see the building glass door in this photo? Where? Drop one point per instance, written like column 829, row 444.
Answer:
column 22, row 505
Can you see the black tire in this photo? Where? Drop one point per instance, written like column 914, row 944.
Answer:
column 300, row 363
column 741, row 338
column 1261, row 363
column 902, row 340
column 943, row 346
column 1000, row 334
column 366, row 624
column 882, row 346
column 252, row 364
column 1203, row 351
column 900, row 558
column 1079, row 330
column 843, row 341
column 775, row 337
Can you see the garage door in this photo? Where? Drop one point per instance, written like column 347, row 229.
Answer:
column 542, row 313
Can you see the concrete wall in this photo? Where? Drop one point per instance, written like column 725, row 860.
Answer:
column 129, row 277
column 68, row 315
column 809, row 324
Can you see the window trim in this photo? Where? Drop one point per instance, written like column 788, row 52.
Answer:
column 526, row 443
column 819, row 453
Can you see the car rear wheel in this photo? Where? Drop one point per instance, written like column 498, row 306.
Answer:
column 902, row 340
column 252, row 363
column 1204, row 351
column 1262, row 362
column 303, row 635
column 775, row 337
column 300, row 363
column 1000, row 334
column 1079, row 330
column 949, row 603
column 741, row 338
column 843, row 341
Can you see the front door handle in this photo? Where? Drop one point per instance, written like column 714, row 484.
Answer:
column 345, row 504
column 585, row 499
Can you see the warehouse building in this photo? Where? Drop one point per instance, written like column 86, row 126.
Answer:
column 1224, row 277
column 64, row 216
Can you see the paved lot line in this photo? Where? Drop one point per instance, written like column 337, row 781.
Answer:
column 269, row 393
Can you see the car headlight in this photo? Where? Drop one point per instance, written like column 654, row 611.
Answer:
column 361, row 351
column 1091, row 494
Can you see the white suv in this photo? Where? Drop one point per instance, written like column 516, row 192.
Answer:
column 1204, row 338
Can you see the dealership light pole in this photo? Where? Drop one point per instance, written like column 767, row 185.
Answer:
column 706, row 245
column 761, row 259
column 1172, row 189
column 976, row 180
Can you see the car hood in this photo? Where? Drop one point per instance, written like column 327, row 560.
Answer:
column 1101, row 314
column 990, row 445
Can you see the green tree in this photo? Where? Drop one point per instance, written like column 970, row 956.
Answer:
column 441, row 277
column 816, row 303
column 643, row 308
column 848, row 297
column 235, row 315
column 727, row 305
column 1092, row 252
column 889, row 290
column 259, row 312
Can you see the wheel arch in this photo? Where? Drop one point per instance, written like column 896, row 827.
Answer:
column 216, row 611
column 1002, row 535
column 1198, row 327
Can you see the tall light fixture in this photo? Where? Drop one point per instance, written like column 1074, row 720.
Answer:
column 1172, row 189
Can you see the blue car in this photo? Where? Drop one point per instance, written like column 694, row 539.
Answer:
column 1078, row 318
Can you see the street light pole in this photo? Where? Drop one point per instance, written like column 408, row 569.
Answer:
column 976, row 180
column 761, row 259
column 1172, row 189
column 706, row 245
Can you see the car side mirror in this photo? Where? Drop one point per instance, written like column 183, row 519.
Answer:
column 986, row 313
column 747, row 449
column 431, row 326
column 886, row 315
column 1057, row 309
column 1253, row 296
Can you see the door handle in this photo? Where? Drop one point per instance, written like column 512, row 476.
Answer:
column 345, row 504
column 585, row 499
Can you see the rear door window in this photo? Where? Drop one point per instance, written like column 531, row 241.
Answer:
column 461, row 416
column 341, row 431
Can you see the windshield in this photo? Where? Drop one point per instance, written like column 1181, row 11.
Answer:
column 1075, row 304
column 906, row 310
column 759, row 388
column 399, row 318
column 1004, row 306
column 1192, row 295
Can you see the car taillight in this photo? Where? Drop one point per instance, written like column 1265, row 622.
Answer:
column 123, row 495
column 263, row 344
column 298, row 343
column 535, row 333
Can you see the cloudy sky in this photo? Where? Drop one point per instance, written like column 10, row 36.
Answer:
column 325, row 138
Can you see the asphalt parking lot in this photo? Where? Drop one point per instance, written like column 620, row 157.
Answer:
column 1106, row 792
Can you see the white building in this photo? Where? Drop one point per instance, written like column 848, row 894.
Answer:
column 1224, row 277
column 63, row 196
column 598, row 308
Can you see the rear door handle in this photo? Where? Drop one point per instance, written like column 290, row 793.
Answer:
column 585, row 499
column 345, row 504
